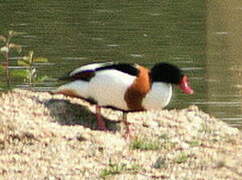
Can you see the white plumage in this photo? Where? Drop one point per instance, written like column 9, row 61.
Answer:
column 78, row 87
column 154, row 99
column 108, row 88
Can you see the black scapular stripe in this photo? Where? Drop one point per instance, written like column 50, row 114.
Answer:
column 123, row 67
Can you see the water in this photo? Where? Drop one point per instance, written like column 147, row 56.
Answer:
column 202, row 37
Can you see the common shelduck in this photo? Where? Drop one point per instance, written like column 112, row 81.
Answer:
column 126, row 87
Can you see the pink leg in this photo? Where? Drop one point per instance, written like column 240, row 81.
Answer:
column 100, row 122
column 128, row 132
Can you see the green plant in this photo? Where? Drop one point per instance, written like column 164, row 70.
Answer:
column 145, row 144
column 29, row 63
column 5, row 51
column 160, row 163
column 194, row 143
column 164, row 136
column 169, row 145
column 114, row 168
column 181, row 158
column 166, row 142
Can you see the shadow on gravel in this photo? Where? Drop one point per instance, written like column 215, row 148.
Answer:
column 66, row 113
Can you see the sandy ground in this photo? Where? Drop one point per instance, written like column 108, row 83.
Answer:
column 45, row 136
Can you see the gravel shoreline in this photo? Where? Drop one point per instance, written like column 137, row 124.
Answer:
column 44, row 136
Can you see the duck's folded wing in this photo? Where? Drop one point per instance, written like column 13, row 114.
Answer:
column 83, row 75
column 88, row 71
column 85, row 72
column 122, row 67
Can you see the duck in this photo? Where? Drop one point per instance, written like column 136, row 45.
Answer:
column 124, row 86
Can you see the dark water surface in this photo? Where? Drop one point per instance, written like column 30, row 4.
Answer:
column 202, row 37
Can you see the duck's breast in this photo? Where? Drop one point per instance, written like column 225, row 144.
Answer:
column 158, row 97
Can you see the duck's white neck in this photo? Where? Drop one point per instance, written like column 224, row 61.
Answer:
column 158, row 97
